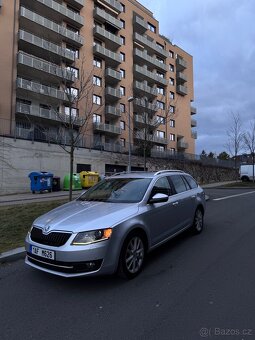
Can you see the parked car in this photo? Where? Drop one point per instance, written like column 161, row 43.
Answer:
column 246, row 172
column 112, row 226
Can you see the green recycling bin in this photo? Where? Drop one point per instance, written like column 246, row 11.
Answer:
column 76, row 182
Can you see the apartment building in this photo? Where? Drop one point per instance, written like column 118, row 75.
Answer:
column 101, row 66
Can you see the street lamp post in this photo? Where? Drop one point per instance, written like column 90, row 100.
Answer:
column 130, row 99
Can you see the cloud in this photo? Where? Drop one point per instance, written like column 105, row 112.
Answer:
column 220, row 36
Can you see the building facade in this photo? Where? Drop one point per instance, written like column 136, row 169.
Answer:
column 100, row 67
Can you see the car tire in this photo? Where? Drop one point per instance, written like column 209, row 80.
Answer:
column 198, row 222
column 132, row 256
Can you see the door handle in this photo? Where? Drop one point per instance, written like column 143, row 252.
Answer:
column 175, row 203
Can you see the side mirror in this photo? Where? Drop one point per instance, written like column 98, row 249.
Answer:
column 158, row 198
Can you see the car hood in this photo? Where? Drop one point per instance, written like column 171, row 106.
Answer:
column 79, row 216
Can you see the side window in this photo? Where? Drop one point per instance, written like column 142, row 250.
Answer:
column 192, row 183
column 162, row 186
column 179, row 184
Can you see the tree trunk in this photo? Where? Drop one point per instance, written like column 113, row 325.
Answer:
column 71, row 172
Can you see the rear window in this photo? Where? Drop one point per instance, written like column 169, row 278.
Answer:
column 179, row 184
column 192, row 183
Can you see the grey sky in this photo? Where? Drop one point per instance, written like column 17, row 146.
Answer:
column 220, row 35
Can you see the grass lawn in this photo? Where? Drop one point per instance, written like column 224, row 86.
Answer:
column 16, row 220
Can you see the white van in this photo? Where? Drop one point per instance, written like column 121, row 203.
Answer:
column 246, row 172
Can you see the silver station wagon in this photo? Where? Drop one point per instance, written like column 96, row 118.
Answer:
column 112, row 226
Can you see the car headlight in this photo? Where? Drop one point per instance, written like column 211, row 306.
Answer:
column 88, row 237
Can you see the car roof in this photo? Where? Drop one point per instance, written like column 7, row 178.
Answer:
column 144, row 174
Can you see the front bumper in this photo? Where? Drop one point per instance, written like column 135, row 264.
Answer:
column 72, row 261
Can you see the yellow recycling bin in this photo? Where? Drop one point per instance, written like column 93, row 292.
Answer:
column 89, row 178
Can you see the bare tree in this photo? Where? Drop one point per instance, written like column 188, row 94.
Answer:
column 249, row 143
column 235, row 136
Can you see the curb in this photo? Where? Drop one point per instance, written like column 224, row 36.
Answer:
column 13, row 255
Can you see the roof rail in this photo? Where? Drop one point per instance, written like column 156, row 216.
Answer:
column 165, row 171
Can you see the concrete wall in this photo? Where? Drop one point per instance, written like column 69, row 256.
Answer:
column 19, row 157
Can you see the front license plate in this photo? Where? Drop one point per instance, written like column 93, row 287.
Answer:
column 48, row 254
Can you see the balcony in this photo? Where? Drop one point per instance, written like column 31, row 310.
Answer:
column 181, row 64
column 46, row 114
column 182, row 90
column 140, row 135
column 114, row 5
column 112, row 94
column 112, row 41
column 139, row 24
column 52, row 93
column 112, row 111
column 193, row 110
column 142, row 121
column 193, row 123
column 112, row 76
column 144, row 89
column 144, row 106
column 194, row 134
column 111, row 58
column 182, row 145
column 104, row 17
column 181, row 77
column 55, row 11
column 107, row 128
column 150, row 45
column 35, row 67
column 44, row 27
column 144, row 58
column 142, row 72
column 44, row 48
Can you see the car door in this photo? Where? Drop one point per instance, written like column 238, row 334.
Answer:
column 159, row 217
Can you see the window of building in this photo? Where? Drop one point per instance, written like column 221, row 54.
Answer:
column 97, row 42
column 73, row 29
column 97, row 62
column 172, row 150
column 171, row 95
column 160, row 134
column 172, row 109
column 122, row 142
column 75, row 51
column 97, row 81
column 74, row 111
column 172, row 137
column 161, row 120
column 122, row 91
column 171, row 54
column 159, row 74
column 123, row 40
column 97, row 99
column 160, row 46
column 122, row 56
column 172, row 123
column 73, row 91
column 171, row 67
column 73, row 9
column 74, row 70
column 161, row 90
column 160, row 105
column 97, row 118
column 123, row 73
column 160, row 60
column 171, row 81
column 122, row 108
column 123, row 24
column 160, row 148
column 122, row 125
column 151, row 27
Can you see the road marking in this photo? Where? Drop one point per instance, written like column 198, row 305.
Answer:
column 227, row 197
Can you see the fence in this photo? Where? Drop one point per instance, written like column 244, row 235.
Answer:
column 28, row 131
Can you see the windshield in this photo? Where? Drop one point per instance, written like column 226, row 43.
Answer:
column 117, row 190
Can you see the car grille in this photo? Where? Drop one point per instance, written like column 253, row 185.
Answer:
column 65, row 267
column 55, row 239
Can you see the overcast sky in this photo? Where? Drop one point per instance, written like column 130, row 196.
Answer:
column 220, row 35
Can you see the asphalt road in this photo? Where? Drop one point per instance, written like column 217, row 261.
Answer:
column 193, row 287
